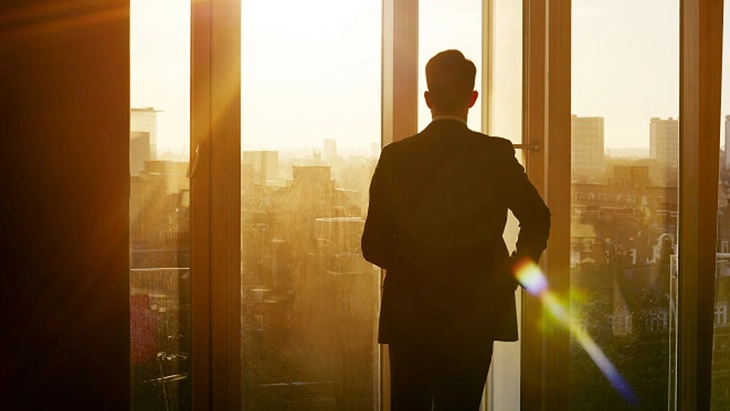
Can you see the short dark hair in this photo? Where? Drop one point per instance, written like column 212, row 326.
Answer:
column 450, row 78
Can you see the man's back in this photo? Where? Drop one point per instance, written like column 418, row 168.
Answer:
column 438, row 209
column 444, row 187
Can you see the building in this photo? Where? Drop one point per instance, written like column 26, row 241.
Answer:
column 263, row 164
column 623, row 235
column 158, row 214
column 309, row 297
column 139, row 151
column 587, row 147
column 664, row 139
column 329, row 152
column 144, row 120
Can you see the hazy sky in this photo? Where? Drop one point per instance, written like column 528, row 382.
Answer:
column 311, row 70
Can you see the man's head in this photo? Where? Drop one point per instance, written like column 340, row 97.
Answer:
column 450, row 79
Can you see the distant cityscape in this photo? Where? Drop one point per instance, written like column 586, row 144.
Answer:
column 310, row 301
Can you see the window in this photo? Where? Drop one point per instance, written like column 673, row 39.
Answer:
column 721, row 336
column 446, row 25
column 269, row 238
column 310, row 139
column 638, row 72
column 159, row 205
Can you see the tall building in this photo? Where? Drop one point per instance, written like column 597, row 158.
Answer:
column 587, row 148
column 329, row 153
column 664, row 139
column 139, row 151
column 142, row 138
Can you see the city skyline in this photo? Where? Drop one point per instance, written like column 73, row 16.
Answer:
column 625, row 85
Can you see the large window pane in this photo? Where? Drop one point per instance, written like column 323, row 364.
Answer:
column 625, row 145
column 721, row 343
column 310, row 134
column 159, row 204
column 442, row 25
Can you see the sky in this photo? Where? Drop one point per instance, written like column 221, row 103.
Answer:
column 311, row 70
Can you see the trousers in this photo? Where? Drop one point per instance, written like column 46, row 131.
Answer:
column 448, row 375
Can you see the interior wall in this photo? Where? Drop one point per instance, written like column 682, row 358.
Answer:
column 64, row 181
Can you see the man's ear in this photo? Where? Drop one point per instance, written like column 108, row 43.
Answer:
column 427, row 97
column 473, row 98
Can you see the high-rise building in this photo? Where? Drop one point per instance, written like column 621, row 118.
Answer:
column 587, row 148
column 329, row 153
column 664, row 139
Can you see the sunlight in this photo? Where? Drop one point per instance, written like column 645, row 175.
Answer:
column 535, row 282
column 307, row 60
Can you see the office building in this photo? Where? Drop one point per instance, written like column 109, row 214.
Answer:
column 587, row 147
column 664, row 139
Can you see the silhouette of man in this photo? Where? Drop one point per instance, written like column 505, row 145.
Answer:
column 438, row 208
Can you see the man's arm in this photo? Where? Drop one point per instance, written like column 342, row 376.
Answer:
column 379, row 231
column 528, row 207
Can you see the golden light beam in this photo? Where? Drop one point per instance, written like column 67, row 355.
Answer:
column 535, row 282
column 28, row 21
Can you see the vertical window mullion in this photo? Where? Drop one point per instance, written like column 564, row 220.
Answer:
column 700, row 86
column 546, row 121
column 557, row 162
column 200, row 110
column 215, row 191
column 534, row 56
column 399, row 101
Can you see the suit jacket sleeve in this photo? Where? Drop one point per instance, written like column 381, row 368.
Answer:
column 379, row 231
column 528, row 207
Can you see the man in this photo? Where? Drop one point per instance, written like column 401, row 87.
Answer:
column 438, row 208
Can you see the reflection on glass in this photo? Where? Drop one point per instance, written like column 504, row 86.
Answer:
column 310, row 122
column 159, row 202
column 625, row 145
column 721, row 342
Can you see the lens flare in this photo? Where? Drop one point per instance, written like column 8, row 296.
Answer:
column 534, row 281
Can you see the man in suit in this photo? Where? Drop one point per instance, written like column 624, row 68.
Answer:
column 438, row 208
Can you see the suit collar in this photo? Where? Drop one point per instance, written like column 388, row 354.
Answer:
column 446, row 124
column 448, row 117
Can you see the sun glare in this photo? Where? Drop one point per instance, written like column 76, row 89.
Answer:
column 535, row 282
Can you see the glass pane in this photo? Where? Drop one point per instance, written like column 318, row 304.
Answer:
column 443, row 25
column 310, row 135
column 625, row 145
column 159, row 202
column 502, row 95
column 721, row 343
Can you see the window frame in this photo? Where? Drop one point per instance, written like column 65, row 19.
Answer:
column 701, row 32
column 215, row 186
column 215, row 203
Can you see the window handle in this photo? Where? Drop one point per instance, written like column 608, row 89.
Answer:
column 534, row 148
column 193, row 167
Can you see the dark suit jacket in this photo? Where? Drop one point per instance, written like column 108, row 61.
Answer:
column 438, row 208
